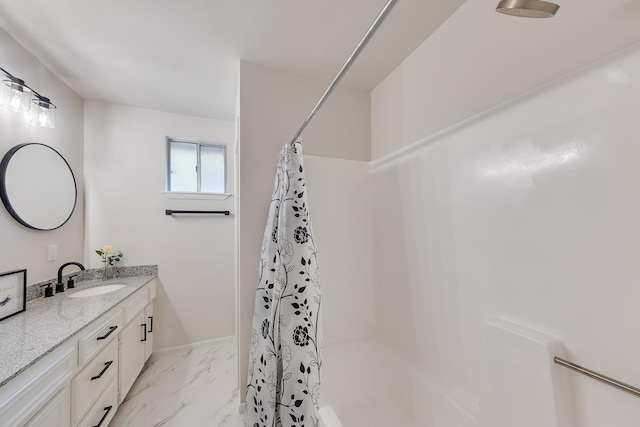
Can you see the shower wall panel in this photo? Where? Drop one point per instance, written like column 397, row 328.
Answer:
column 527, row 212
column 340, row 203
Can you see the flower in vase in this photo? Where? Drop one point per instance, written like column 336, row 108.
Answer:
column 107, row 259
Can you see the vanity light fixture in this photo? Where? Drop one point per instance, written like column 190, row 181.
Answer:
column 44, row 111
column 17, row 97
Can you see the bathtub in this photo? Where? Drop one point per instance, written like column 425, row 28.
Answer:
column 359, row 388
column 367, row 382
column 329, row 418
column 367, row 414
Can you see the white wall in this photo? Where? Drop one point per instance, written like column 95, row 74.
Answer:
column 20, row 246
column 529, row 212
column 273, row 105
column 125, row 163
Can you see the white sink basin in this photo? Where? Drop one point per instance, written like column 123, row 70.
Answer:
column 97, row 290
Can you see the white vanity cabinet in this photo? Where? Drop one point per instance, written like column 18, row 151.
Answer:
column 54, row 413
column 40, row 395
column 82, row 382
column 104, row 409
column 136, row 340
column 148, row 314
column 131, row 353
column 89, row 383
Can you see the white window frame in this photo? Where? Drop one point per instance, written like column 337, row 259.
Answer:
column 195, row 194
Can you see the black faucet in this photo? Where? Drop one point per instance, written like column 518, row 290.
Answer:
column 60, row 285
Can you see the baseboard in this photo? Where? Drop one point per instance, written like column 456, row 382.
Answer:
column 215, row 341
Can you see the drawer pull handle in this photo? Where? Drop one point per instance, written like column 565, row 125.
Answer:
column 150, row 324
column 106, row 366
column 111, row 329
column 107, row 409
column 144, row 328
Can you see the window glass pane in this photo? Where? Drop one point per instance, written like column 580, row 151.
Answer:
column 183, row 167
column 212, row 165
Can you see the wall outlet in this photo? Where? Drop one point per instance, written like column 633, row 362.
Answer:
column 53, row 252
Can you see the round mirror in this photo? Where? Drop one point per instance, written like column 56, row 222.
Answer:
column 37, row 186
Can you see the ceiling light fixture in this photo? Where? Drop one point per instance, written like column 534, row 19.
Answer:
column 16, row 97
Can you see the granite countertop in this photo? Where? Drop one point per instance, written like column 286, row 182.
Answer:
column 48, row 322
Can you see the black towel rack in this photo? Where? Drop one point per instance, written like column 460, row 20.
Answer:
column 171, row 212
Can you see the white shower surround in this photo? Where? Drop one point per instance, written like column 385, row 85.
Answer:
column 528, row 211
column 354, row 386
column 365, row 381
column 532, row 220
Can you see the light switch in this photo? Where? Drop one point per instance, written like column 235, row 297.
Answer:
column 53, row 252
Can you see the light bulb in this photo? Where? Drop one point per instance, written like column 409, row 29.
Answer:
column 44, row 112
column 15, row 102
column 43, row 118
column 16, row 96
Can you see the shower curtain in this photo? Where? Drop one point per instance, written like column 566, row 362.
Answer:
column 283, row 382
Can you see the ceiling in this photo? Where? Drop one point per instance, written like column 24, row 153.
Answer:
column 183, row 56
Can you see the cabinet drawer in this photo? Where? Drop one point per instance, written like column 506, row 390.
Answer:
column 99, row 336
column 92, row 380
column 136, row 303
column 104, row 409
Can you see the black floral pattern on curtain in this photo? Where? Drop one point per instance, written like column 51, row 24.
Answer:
column 283, row 383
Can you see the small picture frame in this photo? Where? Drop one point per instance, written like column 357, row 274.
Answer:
column 13, row 293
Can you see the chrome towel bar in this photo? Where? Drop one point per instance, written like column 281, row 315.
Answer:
column 597, row 376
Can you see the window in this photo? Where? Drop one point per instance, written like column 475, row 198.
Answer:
column 196, row 167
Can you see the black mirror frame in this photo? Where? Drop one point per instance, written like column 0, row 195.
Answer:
column 5, row 196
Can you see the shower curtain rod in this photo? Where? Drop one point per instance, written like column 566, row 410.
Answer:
column 363, row 42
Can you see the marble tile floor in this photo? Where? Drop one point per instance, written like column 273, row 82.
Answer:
column 188, row 386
